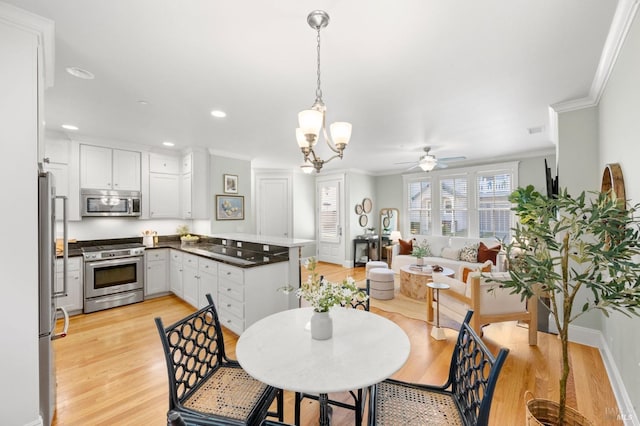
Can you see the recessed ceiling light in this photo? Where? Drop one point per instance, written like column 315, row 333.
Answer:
column 69, row 127
column 218, row 114
column 141, row 102
column 80, row 73
column 167, row 143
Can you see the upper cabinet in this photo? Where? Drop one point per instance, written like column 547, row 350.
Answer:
column 195, row 194
column 107, row 168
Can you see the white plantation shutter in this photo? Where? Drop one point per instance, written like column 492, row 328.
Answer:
column 329, row 214
column 454, row 206
column 494, row 209
column 419, row 202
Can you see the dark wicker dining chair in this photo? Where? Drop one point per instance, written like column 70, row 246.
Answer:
column 360, row 395
column 204, row 384
column 465, row 399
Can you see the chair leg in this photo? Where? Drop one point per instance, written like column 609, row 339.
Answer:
column 280, row 402
column 358, row 405
column 298, row 398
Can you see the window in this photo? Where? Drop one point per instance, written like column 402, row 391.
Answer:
column 329, row 214
column 420, row 207
column 494, row 208
column 454, row 215
column 466, row 202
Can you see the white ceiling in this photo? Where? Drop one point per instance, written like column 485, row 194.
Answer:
column 465, row 77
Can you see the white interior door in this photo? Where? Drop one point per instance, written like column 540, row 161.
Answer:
column 330, row 193
column 274, row 206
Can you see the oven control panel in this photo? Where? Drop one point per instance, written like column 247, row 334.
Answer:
column 113, row 254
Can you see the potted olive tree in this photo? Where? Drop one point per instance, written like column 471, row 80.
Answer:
column 564, row 245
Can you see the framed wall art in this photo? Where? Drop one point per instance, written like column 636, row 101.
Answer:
column 230, row 184
column 229, row 207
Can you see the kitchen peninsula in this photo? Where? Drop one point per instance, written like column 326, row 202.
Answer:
column 243, row 272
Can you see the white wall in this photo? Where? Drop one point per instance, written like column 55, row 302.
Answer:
column 619, row 142
column 241, row 168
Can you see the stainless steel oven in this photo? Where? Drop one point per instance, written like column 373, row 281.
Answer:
column 113, row 276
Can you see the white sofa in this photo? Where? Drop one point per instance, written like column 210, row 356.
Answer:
column 437, row 244
column 490, row 303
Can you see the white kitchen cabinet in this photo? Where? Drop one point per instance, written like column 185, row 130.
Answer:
column 175, row 273
column 190, row 291
column 164, row 195
column 156, row 262
column 195, row 185
column 72, row 300
column 207, row 281
column 186, row 196
column 111, row 169
column 159, row 163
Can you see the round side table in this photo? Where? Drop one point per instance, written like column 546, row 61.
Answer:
column 437, row 332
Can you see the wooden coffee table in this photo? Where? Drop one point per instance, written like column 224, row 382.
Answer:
column 413, row 281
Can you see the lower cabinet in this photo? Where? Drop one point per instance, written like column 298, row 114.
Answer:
column 155, row 281
column 72, row 300
column 175, row 272
column 242, row 295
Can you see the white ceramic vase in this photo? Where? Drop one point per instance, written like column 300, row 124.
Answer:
column 321, row 326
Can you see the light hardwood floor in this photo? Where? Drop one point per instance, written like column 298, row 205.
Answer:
column 111, row 370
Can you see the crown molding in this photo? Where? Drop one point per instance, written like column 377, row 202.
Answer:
column 622, row 19
column 44, row 30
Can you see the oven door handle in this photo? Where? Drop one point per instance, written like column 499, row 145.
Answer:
column 114, row 262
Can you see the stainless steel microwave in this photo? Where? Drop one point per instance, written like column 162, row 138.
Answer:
column 98, row 202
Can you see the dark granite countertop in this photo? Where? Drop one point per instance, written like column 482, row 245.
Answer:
column 248, row 255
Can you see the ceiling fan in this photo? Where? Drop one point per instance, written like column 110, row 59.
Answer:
column 428, row 161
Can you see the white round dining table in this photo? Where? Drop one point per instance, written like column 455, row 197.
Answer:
column 365, row 349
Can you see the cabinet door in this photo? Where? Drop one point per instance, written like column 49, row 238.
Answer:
column 164, row 195
column 73, row 300
column 175, row 278
column 159, row 163
column 208, row 284
column 156, row 276
column 126, row 170
column 186, row 196
column 190, row 285
column 95, row 167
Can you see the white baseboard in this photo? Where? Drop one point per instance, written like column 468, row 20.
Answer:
column 595, row 338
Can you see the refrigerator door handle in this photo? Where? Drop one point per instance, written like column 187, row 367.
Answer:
column 65, row 328
column 65, row 246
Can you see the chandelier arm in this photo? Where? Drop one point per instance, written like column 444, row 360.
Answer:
column 333, row 157
column 328, row 140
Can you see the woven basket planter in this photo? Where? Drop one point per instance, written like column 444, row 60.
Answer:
column 544, row 412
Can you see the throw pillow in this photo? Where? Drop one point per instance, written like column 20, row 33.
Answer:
column 450, row 253
column 487, row 253
column 466, row 271
column 469, row 254
column 406, row 247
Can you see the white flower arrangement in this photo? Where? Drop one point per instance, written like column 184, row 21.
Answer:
column 322, row 294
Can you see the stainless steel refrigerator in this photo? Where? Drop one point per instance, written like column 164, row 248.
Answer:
column 46, row 291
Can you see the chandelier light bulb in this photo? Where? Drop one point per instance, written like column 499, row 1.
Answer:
column 341, row 132
column 310, row 121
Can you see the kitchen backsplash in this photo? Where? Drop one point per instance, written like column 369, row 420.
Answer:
column 113, row 227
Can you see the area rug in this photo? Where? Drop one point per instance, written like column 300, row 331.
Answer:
column 411, row 308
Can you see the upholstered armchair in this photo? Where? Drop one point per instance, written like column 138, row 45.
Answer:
column 489, row 302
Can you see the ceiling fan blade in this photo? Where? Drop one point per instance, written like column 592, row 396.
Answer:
column 452, row 159
column 412, row 167
column 441, row 166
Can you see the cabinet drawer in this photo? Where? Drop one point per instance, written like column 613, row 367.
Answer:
column 190, row 260
column 230, row 321
column 227, row 304
column 231, row 289
column 231, row 273
column 156, row 255
column 208, row 266
column 176, row 256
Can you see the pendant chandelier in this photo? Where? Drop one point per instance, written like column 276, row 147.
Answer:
column 312, row 121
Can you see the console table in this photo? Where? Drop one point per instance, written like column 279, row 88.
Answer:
column 367, row 242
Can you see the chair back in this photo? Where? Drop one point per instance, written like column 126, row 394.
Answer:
column 473, row 374
column 362, row 304
column 193, row 350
